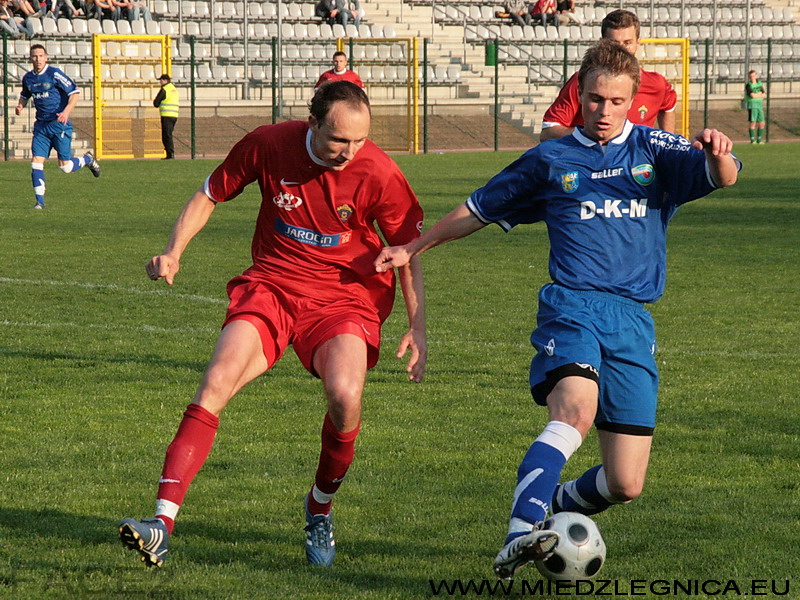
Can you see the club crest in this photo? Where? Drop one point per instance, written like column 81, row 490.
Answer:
column 569, row 181
column 344, row 211
column 643, row 174
column 643, row 110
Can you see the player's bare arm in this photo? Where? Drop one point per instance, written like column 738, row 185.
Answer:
column 718, row 147
column 63, row 116
column 666, row 120
column 415, row 339
column 556, row 131
column 193, row 217
column 459, row 223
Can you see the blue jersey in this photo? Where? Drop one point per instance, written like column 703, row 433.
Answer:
column 50, row 91
column 606, row 207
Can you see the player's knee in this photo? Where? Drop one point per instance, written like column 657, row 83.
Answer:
column 344, row 406
column 623, row 491
column 66, row 167
column 216, row 390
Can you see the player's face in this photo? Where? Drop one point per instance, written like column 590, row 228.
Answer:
column 337, row 140
column 626, row 38
column 605, row 101
column 339, row 63
column 38, row 59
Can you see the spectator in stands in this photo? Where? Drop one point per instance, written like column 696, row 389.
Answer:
column 139, row 10
column 339, row 72
column 15, row 26
column 755, row 92
column 65, row 9
column 518, row 12
column 655, row 100
column 544, row 12
column 339, row 11
column 124, row 7
column 566, row 12
column 106, row 9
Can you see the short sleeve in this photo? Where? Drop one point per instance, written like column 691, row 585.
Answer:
column 237, row 171
column 398, row 213
column 565, row 110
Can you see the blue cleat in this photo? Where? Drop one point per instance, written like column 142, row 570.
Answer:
column 93, row 165
column 539, row 544
column 320, row 546
column 148, row 537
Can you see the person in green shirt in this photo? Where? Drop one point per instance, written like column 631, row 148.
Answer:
column 755, row 92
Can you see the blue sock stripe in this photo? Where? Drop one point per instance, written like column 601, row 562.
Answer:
column 537, row 478
column 582, row 495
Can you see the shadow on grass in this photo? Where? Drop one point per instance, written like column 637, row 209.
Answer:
column 271, row 557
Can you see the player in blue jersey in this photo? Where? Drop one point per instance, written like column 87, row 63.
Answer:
column 606, row 194
column 54, row 96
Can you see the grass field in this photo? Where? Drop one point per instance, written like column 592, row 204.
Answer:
column 97, row 364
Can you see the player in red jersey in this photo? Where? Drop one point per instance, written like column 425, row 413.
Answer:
column 339, row 72
column 655, row 100
column 326, row 190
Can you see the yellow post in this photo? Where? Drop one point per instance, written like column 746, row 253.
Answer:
column 415, row 93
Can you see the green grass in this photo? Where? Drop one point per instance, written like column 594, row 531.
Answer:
column 97, row 364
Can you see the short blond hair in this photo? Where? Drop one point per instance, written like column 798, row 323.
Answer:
column 608, row 57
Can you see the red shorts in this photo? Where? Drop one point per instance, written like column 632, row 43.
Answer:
column 306, row 323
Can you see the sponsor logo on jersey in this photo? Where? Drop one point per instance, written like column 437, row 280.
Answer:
column 569, row 181
column 588, row 367
column 669, row 141
column 605, row 173
column 643, row 110
column 40, row 95
column 344, row 211
column 632, row 208
column 287, row 201
column 284, row 182
column 309, row 236
column 644, row 174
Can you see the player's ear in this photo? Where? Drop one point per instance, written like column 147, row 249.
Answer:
column 312, row 122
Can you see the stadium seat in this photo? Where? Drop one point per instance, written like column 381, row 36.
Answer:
column 80, row 27
column 64, row 26
column 325, row 31
column 388, row 31
column 123, row 27
column 109, row 27
column 312, row 31
column 454, row 73
column 338, row 31
column 253, row 51
column 287, row 30
column 224, row 51
column 266, row 51
column 234, row 31
column 111, row 49
column 153, row 28
column 300, row 31
column 87, row 71
column 166, row 28
column 117, row 72
column 203, row 72
column 364, row 31
column 138, row 27
column 67, row 49
column 376, row 30
column 174, row 8
column 270, row 12
column 306, row 53
column 220, row 29
column 83, row 49
column 49, row 27
column 148, row 72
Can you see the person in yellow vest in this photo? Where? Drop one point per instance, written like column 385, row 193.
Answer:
column 168, row 105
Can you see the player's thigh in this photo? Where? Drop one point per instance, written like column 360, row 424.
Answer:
column 238, row 359
column 625, row 461
column 341, row 362
column 62, row 142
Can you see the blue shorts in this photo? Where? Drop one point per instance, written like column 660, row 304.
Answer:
column 604, row 337
column 49, row 135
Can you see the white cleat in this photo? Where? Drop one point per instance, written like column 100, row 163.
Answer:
column 536, row 545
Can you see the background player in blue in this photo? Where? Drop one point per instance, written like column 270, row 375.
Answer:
column 54, row 96
column 606, row 193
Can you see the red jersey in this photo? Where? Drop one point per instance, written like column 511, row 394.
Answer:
column 655, row 95
column 332, row 75
column 316, row 230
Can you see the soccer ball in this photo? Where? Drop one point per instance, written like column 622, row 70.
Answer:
column 581, row 550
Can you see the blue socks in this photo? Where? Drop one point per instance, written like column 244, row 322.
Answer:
column 538, row 475
column 587, row 495
column 37, row 177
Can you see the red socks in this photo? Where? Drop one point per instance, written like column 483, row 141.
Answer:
column 338, row 450
column 185, row 455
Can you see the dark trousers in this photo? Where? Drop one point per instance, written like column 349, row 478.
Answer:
column 167, row 125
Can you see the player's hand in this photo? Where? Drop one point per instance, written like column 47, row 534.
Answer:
column 18, row 110
column 62, row 118
column 417, row 342
column 163, row 266
column 714, row 141
column 392, row 257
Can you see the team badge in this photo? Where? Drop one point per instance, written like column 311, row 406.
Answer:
column 643, row 112
column 287, row 201
column 344, row 211
column 644, row 174
column 569, row 181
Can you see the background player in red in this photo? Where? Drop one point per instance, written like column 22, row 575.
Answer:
column 325, row 187
column 655, row 100
column 339, row 72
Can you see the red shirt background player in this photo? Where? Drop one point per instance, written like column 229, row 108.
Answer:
column 339, row 72
column 653, row 105
column 326, row 193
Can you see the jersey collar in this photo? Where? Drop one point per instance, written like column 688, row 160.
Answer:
column 42, row 72
column 311, row 154
column 620, row 139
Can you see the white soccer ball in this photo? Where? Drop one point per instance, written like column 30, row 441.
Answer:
column 581, row 550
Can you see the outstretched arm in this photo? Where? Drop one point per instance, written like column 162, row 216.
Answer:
column 717, row 146
column 193, row 217
column 415, row 339
column 460, row 222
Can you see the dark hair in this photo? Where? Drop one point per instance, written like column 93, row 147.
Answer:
column 38, row 46
column 608, row 57
column 339, row 53
column 336, row 91
column 620, row 19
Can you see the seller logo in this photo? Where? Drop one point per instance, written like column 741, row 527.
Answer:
column 644, row 174
column 287, row 201
column 569, row 181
